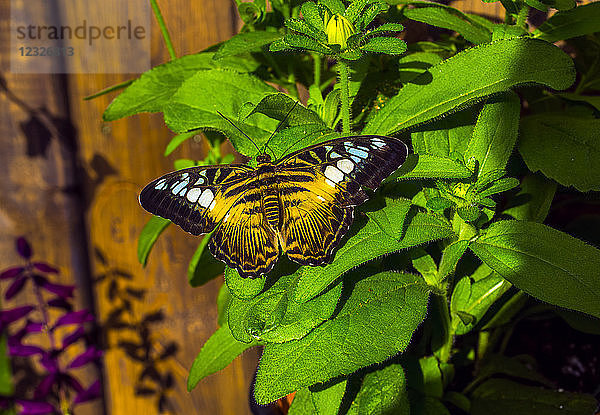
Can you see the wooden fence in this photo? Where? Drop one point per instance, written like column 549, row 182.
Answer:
column 70, row 184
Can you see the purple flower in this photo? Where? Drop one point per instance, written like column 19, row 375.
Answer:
column 15, row 287
column 71, row 338
column 35, row 408
column 90, row 355
column 89, row 394
column 42, row 266
column 24, row 350
column 14, row 314
column 11, row 273
column 23, row 248
column 74, row 317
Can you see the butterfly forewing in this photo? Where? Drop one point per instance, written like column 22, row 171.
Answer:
column 197, row 198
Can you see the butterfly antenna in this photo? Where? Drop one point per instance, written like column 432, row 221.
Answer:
column 239, row 129
column 279, row 125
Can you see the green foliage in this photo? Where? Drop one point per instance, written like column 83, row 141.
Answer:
column 461, row 219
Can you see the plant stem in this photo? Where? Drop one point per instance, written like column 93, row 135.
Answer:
column 344, row 79
column 317, row 69
column 163, row 29
column 446, row 349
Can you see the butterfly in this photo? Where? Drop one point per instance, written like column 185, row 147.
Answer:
column 302, row 203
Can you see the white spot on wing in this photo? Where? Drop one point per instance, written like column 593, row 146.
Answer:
column 162, row 183
column 212, row 205
column 200, row 181
column 179, row 186
column 358, row 153
column 206, row 199
column 334, row 155
column 345, row 165
column 226, row 217
column 378, row 143
column 321, row 198
column 334, row 174
column 329, row 182
column 193, row 194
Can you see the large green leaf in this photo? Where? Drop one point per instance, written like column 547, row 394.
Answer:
column 374, row 323
column 321, row 399
column 501, row 397
column 474, row 295
column 495, row 133
column 471, row 75
column 533, row 200
column 570, row 23
column 545, row 263
column 246, row 42
column 153, row 90
column 274, row 316
column 563, row 147
column 6, row 381
column 425, row 166
column 381, row 235
column 148, row 236
column 446, row 136
column 383, row 392
column 447, row 17
column 196, row 102
column 218, row 351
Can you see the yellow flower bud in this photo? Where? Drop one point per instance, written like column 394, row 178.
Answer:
column 338, row 30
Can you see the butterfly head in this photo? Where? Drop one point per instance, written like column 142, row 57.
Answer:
column 263, row 158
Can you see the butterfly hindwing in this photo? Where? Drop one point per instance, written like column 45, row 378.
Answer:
column 196, row 198
column 244, row 240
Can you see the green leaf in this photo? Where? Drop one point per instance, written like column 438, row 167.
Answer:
column 310, row 12
column 495, row 133
column 148, row 236
column 501, row 397
column 327, row 400
column 303, row 28
column 592, row 100
column 246, row 42
column 389, row 45
column 334, row 6
column 471, row 75
column 425, row 166
column 218, row 351
column 424, row 264
column 223, row 300
column 450, row 257
column 448, row 18
column 6, row 381
column 300, row 136
column 278, row 106
column 203, row 266
column 275, row 317
column 579, row 321
column 570, row 23
column 446, row 136
column 371, row 241
column 474, row 295
column 243, row 287
column 386, row 27
column 305, row 42
column 178, row 140
column 563, row 147
column 511, row 366
column 499, row 186
column 382, row 392
column 154, row 89
column 545, row 263
column 302, row 403
column 196, row 102
column 365, row 331
column 469, row 213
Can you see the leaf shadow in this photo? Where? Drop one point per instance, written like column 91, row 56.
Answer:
column 143, row 349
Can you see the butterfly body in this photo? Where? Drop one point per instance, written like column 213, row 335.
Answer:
column 302, row 204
